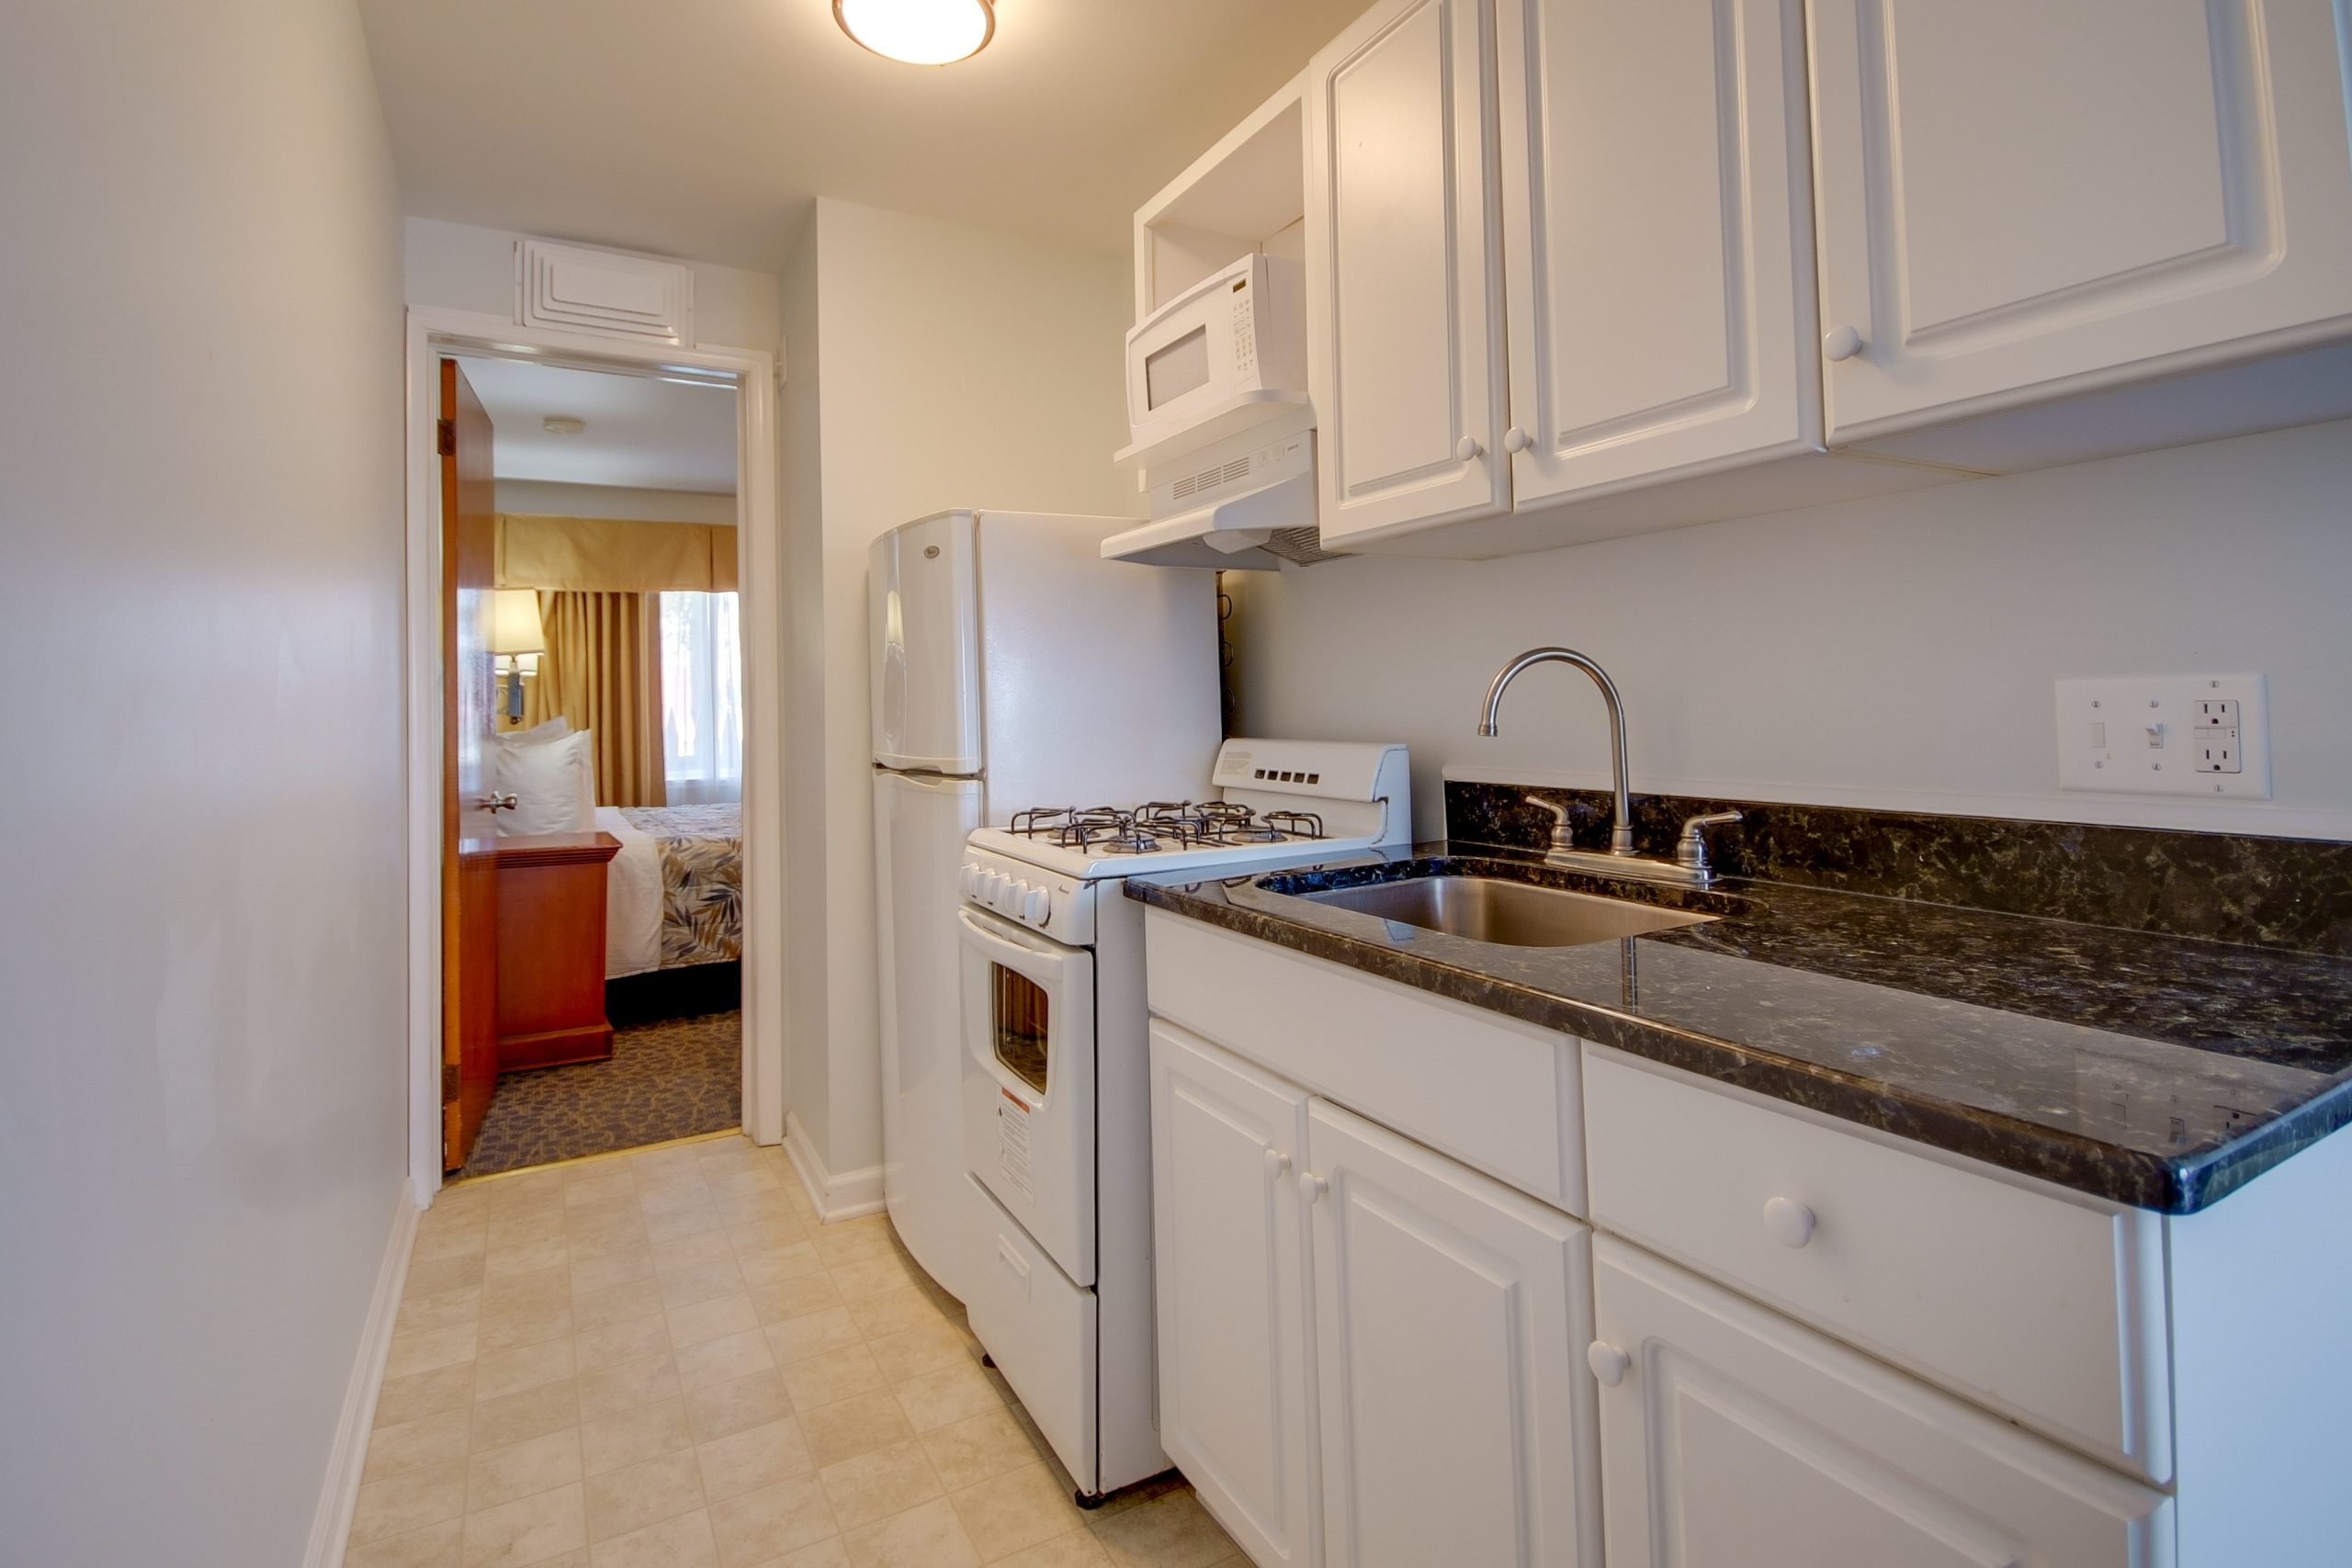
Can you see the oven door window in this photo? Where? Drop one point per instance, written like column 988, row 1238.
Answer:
column 1018, row 1022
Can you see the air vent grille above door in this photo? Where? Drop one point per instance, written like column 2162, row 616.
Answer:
column 609, row 293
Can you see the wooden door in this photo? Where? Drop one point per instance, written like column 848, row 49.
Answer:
column 1236, row 1390
column 1657, row 222
column 1458, row 1421
column 2020, row 199
column 469, row 836
column 1734, row 1439
column 1405, row 354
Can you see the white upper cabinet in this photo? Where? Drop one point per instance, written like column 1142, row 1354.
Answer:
column 2019, row 200
column 1405, row 305
column 1658, row 229
column 1450, row 1316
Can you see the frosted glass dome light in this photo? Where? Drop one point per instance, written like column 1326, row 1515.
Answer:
column 920, row 32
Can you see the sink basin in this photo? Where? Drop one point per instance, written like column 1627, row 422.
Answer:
column 1511, row 914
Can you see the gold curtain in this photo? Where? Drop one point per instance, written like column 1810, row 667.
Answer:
column 602, row 672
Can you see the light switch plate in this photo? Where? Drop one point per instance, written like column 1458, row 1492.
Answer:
column 2147, row 735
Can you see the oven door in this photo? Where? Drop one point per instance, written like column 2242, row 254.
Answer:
column 1029, row 1083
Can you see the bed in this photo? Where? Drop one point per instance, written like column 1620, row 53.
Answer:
column 675, row 895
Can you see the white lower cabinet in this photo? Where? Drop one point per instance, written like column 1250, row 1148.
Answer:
column 1237, row 1386
column 1734, row 1438
column 1457, row 1418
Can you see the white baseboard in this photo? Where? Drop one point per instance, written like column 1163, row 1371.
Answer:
column 844, row 1196
column 330, row 1526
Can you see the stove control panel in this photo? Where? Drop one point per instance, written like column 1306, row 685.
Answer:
column 1059, row 907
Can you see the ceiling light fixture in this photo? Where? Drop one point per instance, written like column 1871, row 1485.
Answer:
column 562, row 424
column 919, row 32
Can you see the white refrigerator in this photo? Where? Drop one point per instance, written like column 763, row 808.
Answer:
column 1011, row 667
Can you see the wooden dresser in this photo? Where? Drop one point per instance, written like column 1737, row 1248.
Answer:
column 551, row 949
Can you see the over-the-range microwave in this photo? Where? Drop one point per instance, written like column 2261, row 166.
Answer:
column 1226, row 354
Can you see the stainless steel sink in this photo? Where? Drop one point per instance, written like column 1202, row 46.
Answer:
column 1512, row 914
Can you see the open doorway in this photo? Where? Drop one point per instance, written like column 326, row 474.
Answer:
column 602, row 587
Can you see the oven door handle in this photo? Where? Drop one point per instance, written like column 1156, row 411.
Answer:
column 1010, row 945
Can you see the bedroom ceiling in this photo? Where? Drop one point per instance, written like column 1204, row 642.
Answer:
column 706, row 127
column 641, row 432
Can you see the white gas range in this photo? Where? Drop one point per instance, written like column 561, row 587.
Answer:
column 1057, row 1113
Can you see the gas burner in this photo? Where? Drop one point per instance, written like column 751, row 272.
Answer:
column 1162, row 825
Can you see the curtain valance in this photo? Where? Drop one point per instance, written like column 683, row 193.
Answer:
column 607, row 555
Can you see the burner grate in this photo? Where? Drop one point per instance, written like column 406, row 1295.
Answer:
column 1160, row 825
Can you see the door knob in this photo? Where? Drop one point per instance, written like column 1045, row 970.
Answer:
column 1467, row 448
column 1517, row 440
column 1842, row 343
column 1607, row 1363
column 1311, row 1186
column 498, row 803
column 1790, row 1222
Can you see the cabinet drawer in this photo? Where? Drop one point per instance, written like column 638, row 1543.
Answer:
column 2046, row 1309
column 1494, row 1093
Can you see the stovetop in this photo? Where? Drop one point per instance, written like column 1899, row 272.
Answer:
column 1160, row 826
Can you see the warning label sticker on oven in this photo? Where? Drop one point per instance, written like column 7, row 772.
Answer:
column 1013, row 1144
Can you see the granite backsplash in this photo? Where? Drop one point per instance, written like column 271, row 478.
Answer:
column 2284, row 893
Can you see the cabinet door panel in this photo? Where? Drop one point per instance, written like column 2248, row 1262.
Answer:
column 2019, row 199
column 1236, row 1387
column 1457, row 1420
column 1405, row 330
column 1658, row 231
column 1737, row 1439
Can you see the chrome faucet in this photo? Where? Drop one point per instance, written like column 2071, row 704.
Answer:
column 1621, row 831
column 1690, row 866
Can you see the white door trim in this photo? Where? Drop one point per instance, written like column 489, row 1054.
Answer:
column 432, row 332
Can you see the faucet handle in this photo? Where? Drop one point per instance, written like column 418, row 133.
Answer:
column 1561, row 839
column 1691, row 844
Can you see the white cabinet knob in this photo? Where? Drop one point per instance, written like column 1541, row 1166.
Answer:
column 1311, row 1186
column 1791, row 1222
column 1467, row 448
column 1517, row 440
column 1276, row 1163
column 1841, row 343
column 1607, row 1363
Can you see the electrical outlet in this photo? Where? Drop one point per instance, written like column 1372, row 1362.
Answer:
column 2165, row 735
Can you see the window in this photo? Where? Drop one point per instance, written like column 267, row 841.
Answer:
column 702, row 697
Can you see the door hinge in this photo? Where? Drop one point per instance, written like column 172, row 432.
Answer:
column 448, row 436
column 448, row 1082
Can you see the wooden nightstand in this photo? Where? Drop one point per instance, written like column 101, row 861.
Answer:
column 551, row 949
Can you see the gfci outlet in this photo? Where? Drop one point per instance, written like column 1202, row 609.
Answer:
column 2166, row 735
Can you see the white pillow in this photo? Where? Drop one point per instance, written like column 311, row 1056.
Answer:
column 553, row 778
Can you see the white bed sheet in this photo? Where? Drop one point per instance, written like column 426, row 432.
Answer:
column 632, row 898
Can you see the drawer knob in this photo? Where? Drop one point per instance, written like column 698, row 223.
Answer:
column 1841, row 343
column 1791, row 1222
column 1607, row 1363
column 1276, row 1163
column 1311, row 1186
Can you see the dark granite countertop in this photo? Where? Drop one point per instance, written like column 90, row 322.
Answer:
column 2158, row 1071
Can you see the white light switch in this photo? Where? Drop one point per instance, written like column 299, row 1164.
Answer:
column 2165, row 735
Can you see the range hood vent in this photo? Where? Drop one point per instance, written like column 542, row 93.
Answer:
column 1243, row 506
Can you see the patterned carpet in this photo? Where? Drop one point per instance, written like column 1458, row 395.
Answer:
column 670, row 1079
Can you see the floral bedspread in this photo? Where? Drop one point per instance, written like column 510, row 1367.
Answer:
column 702, row 880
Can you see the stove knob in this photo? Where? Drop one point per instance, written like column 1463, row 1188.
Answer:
column 1039, row 907
column 987, row 888
column 967, row 881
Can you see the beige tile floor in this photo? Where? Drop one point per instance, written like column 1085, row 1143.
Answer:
column 663, row 1359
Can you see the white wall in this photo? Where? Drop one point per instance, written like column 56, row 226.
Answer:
column 1895, row 652
column 463, row 267
column 961, row 368
column 547, row 499
column 201, row 1139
